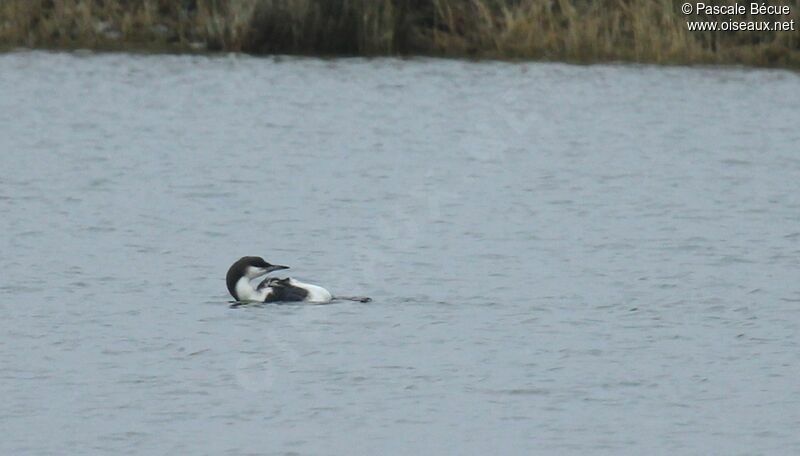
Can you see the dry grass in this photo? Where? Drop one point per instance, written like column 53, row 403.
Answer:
column 573, row 30
column 125, row 24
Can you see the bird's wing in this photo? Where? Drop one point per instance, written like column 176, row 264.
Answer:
column 283, row 290
column 267, row 283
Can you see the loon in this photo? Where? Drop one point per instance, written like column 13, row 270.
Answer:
column 272, row 289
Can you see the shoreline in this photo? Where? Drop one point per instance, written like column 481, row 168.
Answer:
column 87, row 52
column 573, row 32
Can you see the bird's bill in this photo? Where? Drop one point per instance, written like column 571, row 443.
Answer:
column 275, row 267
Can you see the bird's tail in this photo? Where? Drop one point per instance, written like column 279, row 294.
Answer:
column 354, row 298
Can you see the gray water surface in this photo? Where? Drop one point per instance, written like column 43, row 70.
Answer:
column 563, row 259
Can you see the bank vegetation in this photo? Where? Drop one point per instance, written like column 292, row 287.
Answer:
column 652, row 31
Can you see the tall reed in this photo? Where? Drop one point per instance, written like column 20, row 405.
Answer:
column 572, row 30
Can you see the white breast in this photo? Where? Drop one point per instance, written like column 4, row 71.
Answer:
column 246, row 292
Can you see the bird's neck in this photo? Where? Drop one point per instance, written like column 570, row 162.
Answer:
column 245, row 291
